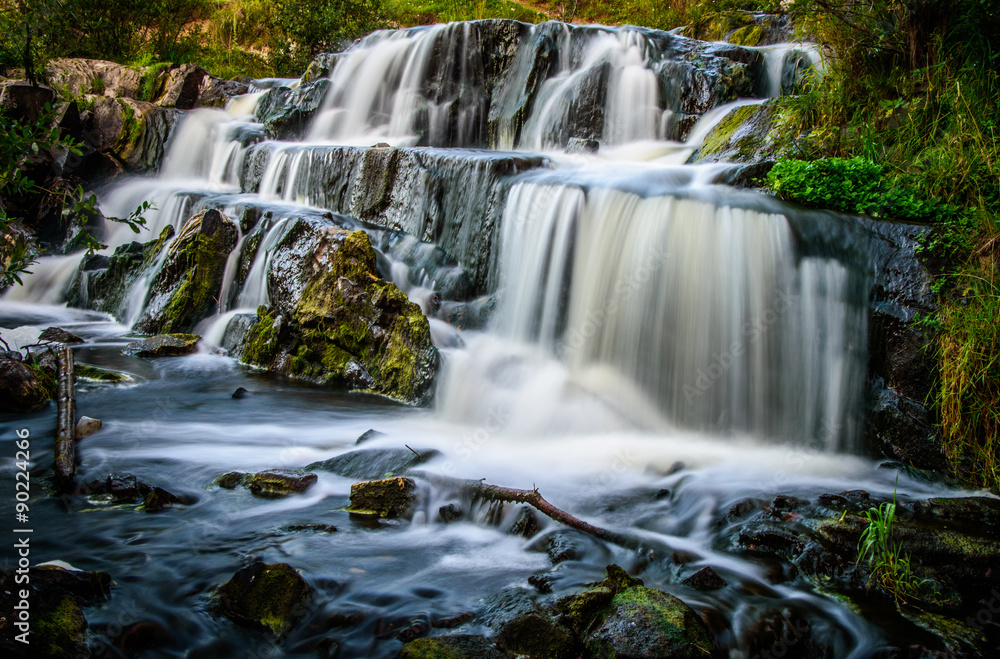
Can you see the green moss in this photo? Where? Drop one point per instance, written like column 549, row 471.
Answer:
column 152, row 82
column 47, row 380
column 749, row 35
column 388, row 497
column 94, row 374
column 133, row 130
column 260, row 346
column 718, row 140
column 60, row 632
column 97, row 86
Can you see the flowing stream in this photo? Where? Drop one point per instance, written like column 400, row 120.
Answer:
column 663, row 346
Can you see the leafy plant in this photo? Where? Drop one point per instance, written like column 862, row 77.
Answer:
column 889, row 566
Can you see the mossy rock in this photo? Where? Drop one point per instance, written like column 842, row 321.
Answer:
column 158, row 499
column 334, row 320
column 95, row 374
column 269, row 484
column 187, row 287
column 620, row 617
column 271, row 596
column 59, row 631
column 388, row 497
column 743, row 136
column 22, row 388
column 163, row 345
column 459, row 646
column 525, row 627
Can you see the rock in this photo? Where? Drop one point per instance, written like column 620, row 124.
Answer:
column 373, row 463
column 158, row 499
column 449, row 513
column 389, row 497
column 56, row 596
column 103, row 283
column 705, row 579
column 95, row 374
column 22, row 389
column 86, row 427
column 182, row 87
column 57, row 335
column 272, row 596
column 21, row 101
column 620, row 617
column 578, row 145
column 240, row 393
column 187, row 287
column 318, row 528
column 335, row 321
column 523, row 627
column 371, row 433
column 123, row 487
column 782, row 633
column 75, row 77
column 742, row 28
column 270, row 484
column 134, row 132
column 216, row 92
column 745, row 135
column 286, row 112
column 321, row 67
column 163, row 345
column 459, row 646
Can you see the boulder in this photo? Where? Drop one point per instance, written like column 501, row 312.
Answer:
column 22, row 388
column 286, row 112
column 458, row 646
column 104, row 283
column 271, row 596
column 86, row 427
column 620, row 617
column 389, row 497
column 705, row 579
column 187, row 287
column 22, row 101
column 75, row 77
column 745, row 135
column 742, row 28
column 182, row 87
column 270, row 484
column 163, row 345
column 524, row 627
column 334, row 320
column 157, row 499
column 58, row 335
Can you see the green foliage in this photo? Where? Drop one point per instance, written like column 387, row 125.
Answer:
column 854, row 185
column 309, row 27
column 889, row 566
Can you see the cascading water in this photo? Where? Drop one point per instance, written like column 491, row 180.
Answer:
column 663, row 348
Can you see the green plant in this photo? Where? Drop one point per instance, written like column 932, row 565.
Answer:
column 889, row 567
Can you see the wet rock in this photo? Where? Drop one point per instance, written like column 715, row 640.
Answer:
column 782, row 634
column 523, row 627
column 95, row 374
column 270, row 484
column 371, row 433
column 286, row 112
column 705, row 579
column 240, row 393
column 133, row 132
column 321, row 67
column 459, row 646
column 22, row 389
column 742, row 28
column 449, row 513
column 86, row 427
column 745, row 135
column 187, row 287
column 58, row 335
column 620, row 617
column 158, row 499
column 563, row 545
column 318, row 528
column 55, row 599
column 525, row 524
column 271, row 596
column 901, row 428
column 103, row 283
column 123, row 487
column 578, row 145
column 389, row 497
column 163, row 345
column 335, row 321
column 374, row 463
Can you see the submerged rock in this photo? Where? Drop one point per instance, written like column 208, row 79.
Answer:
column 272, row 596
column 705, row 579
column 374, row 463
column 334, row 320
column 96, row 374
column 389, row 497
column 269, row 484
column 459, row 646
column 187, row 287
column 163, row 345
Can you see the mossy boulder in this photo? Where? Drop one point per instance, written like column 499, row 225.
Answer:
column 163, row 345
column 388, row 497
column 187, row 287
column 458, row 646
column 269, row 484
column 525, row 627
column 271, row 596
column 745, row 135
column 742, row 28
column 22, row 389
column 103, row 283
column 96, row 374
column 620, row 617
column 334, row 320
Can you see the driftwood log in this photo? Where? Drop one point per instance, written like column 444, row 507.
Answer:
column 65, row 449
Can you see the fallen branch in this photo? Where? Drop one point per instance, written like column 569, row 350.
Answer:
column 65, row 449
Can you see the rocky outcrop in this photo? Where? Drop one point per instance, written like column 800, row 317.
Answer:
column 742, row 28
column 333, row 319
column 286, row 112
column 187, row 287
